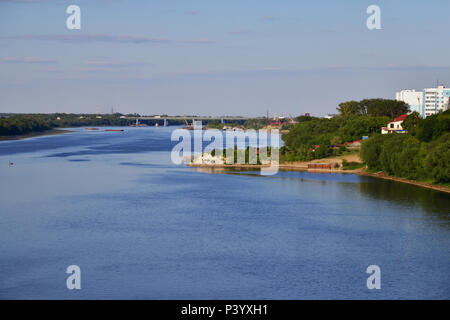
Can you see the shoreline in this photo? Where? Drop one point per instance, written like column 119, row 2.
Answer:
column 51, row 132
column 403, row 180
column 303, row 167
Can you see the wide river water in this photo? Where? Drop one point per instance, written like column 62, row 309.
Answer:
column 141, row 227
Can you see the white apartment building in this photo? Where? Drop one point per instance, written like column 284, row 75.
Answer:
column 427, row 102
column 435, row 100
column 411, row 97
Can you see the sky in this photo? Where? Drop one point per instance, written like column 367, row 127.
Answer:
column 217, row 57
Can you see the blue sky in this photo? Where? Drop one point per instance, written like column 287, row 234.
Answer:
column 214, row 57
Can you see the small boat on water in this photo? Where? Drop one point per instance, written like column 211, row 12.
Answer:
column 91, row 128
column 114, row 130
column 10, row 164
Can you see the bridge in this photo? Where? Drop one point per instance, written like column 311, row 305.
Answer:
column 166, row 119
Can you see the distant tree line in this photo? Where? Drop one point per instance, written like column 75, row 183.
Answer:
column 19, row 124
column 373, row 107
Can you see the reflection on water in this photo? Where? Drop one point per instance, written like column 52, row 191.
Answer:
column 433, row 202
column 141, row 227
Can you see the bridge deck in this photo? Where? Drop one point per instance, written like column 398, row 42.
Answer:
column 188, row 118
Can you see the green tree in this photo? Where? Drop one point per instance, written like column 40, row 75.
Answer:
column 411, row 122
column 336, row 140
column 374, row 107
column 350, row 108
column 432, row 127
column 438, row 163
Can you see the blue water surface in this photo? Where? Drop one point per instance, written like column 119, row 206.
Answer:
column 141, row 227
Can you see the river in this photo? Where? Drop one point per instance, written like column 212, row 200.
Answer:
column 141, row 227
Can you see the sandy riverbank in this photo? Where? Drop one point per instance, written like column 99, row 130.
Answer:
column 34, row 134
column 293, row 166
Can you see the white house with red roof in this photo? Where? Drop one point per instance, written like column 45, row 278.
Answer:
column 395, row 126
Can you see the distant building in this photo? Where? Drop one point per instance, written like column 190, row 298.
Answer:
column 330, row 115
column 395, row 126
column 427, row 102
column 412, row 98
column 314, row 165
column 435, row 100
column 277, row 123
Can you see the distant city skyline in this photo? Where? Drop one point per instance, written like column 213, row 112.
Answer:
column 216, row 57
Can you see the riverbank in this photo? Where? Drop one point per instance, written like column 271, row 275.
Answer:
column 293, row 166
column 303, row 166
column 34, row 134
column 413, row 182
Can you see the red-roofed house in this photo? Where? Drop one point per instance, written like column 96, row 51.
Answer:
column 356, row 143
column 395, row 126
